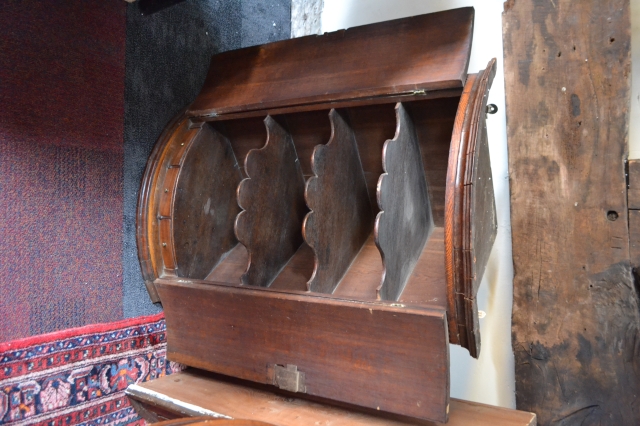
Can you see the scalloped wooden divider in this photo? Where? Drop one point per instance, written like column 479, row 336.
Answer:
column 341, row 217
column 470, row 202
column 405, row 221
column 270, row 226
column 204, row 205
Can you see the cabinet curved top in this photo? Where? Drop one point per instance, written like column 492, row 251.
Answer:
column 421, row 53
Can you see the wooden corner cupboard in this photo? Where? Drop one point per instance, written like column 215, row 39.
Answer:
column 320, row 217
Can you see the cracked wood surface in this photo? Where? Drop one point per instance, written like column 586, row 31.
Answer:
column 575, row 311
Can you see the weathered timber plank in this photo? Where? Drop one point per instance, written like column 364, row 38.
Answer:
column 575, row 314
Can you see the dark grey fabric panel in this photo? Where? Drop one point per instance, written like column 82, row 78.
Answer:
column 265, row 21
column 167, row 57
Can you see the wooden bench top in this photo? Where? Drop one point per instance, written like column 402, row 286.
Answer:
column 198, row 393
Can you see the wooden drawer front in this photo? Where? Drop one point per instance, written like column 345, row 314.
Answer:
column 375, row 355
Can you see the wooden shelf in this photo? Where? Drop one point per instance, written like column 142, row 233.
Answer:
column 198, row 393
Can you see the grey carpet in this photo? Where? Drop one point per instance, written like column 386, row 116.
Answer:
column 167, row 57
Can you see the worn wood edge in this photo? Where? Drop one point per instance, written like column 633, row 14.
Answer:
column 469, row 282
column 458, row 141
column 174, row 405
column 460, row 169
column 416, row 95
column 312, row 184
column 408, row 308
column 146, row 208
column 457, row 218
column 167, row 197
column 178, row 346
column 437, row 89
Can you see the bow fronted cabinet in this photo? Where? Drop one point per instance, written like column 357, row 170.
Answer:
column 320, row 217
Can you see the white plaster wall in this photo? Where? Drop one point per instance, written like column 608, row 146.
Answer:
column 490, row 379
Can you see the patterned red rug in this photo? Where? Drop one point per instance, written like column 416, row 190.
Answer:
column 78, row 376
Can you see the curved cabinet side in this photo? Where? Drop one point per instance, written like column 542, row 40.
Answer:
column 470, row 218
column 147, row 233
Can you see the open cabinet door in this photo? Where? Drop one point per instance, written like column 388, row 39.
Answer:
column 470, row 218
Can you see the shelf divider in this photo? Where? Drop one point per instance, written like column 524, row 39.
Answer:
column 272, row 199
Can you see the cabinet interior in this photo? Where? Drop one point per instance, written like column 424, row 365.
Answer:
column 372, row 126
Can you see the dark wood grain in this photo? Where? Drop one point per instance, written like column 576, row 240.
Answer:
column 244, row 332
column 270, row 226
column 633, row 192
column 147, row 209
column 404, row 221
column 341, row 217
column 208, row 421
column 238, row 399
column 576, row 322
column 471, row 213
column 433, row 122
column 433, row 51
column 205, row 205
column 376, row 309
column 372, row 127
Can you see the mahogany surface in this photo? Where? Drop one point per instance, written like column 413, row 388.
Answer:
column 471, row 226
column 167, row 397
column 341, row 217
column 355, row 63
column 404, row 222
column 576, row 301
column 257, row 329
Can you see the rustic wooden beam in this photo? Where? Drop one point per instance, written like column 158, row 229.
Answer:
column 575, row 314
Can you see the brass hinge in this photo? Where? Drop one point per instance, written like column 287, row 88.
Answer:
column 289, row 378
